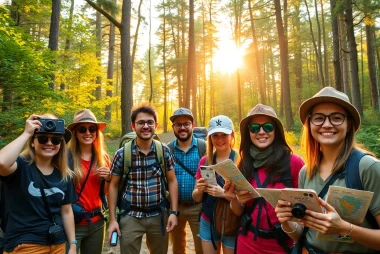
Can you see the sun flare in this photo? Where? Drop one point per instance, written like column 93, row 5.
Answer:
column 228, row 58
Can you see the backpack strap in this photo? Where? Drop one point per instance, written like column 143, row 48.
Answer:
column 287, row 177
column 353, row 181
column 201, row 147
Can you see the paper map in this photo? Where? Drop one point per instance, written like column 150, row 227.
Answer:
column 229, row 171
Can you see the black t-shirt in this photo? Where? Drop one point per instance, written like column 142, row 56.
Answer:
column 28, row 219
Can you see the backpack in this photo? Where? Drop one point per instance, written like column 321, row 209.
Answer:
column 200, row 132
column 131, row 136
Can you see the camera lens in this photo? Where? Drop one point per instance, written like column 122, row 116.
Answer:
column 49, row 125
column 299, row 211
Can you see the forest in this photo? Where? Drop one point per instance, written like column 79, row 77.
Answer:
column 214, row 57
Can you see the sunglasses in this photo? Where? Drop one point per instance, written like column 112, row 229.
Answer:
column 255, row 127
column 55, row 140
column 91, row 129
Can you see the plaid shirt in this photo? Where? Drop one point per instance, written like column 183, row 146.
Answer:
column 143, row 188
column 191, row 160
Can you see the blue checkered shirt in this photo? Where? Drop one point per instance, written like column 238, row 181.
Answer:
column 143, row 188
column 190, row 159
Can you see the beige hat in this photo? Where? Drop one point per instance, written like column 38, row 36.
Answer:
column 260, row 110
column 330, row 95
column 86, row 116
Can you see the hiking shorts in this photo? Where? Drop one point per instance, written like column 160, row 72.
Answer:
column 205, row 235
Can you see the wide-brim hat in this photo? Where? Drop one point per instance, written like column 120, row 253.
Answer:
column 330, row 95
column 182, row 112
column 86, row 116
column 260, row 110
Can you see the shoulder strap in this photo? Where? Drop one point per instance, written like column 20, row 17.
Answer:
column 353, row 180
column 287, row 177
column 201, row 147
column 171, row 146
column 161, row 158
column 88, row 174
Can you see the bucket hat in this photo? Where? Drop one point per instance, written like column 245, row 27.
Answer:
column 182, row 112
column 220, row 123
column 260, row 110
column 86, row 116
column 330, row 95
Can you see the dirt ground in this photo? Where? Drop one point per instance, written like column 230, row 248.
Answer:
column 190, row 249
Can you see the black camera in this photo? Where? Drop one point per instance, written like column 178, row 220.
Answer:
column 299, row 210
column 54, row 126
column 55, row 232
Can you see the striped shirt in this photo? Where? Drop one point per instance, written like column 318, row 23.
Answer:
column 190, row 159
column 143, row 188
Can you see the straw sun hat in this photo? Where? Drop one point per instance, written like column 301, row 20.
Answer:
column 86, row 116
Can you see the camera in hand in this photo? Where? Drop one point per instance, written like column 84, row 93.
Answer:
column 299, row 210
column 54, row 126
column 114, row 237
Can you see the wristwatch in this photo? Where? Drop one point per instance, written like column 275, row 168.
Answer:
column 73, row 242
column 176, row 213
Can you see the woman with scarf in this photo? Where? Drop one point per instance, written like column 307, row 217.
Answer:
column 266, row 160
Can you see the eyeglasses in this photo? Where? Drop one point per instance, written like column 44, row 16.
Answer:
column 185, row 125
column 55, row 140
column 142, row 123
column 91, row 129
column 255, row 127
column 336, row 118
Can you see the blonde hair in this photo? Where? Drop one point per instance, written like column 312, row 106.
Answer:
column 59, row 160
column 100, row 156
column 210, row 147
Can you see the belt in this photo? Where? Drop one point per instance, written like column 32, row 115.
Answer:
column 187, row 203
column 94, row 213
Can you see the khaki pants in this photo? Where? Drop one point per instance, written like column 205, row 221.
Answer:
column 177, row 237
column 27, row 248
column 133, row 230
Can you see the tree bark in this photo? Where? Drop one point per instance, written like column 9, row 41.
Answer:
column 191, row 65
column 150, row 53
column 355, row 86
column 325, row 48
column 344, row 56
column 98, row 91
column 54, row 33
column 164, row 65
column 372, row 67
column 336, row 60
column 298, row 53
column 111, row 58
column 284, row 66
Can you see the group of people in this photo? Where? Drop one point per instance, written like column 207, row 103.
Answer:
column 159, row 188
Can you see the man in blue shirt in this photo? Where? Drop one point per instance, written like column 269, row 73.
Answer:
column 187, row 151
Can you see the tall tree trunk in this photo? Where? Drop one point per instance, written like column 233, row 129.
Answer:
column 273, row 80
column 134, row 47
column 111, row 59
column 203, row 110
column 54, row 33
column 98, row 91
column 186, row 89
column 256, row 52
column 164, row 65
column 283, row 43
column 355, row 86
column 15, row 14
column 298, row 52
column 344, row 56
column 336, row 60
column 211, row 48
column 191, row 68
column 237, row 11
column 150, row 54
column 325, row 49
column 372, row 67
column 317, row 48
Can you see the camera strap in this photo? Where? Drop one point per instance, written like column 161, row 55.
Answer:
column 88, row 174
column 38, row 177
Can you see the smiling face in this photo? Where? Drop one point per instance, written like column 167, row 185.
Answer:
column 180, row 131
column 261, row 139
column 144, row 126
column 328, row 134
column 47, row 149
column 221, row 141
column 86, row 133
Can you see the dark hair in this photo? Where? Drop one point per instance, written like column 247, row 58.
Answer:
column 143, row 107
column 280, row 159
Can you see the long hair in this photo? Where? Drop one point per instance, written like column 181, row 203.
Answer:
column 100, row 157
column 279, row 164
column 313, row 149
column 58, row 161
column 210, row 147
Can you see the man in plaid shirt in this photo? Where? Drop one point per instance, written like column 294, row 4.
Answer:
column 187, row 155
column 143, row 193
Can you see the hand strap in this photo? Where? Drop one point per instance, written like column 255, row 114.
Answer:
column 38, row 177
column 88, row 174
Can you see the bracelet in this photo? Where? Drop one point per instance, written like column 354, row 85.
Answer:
column 349, row 232
column 290, row 232
column 73, row 242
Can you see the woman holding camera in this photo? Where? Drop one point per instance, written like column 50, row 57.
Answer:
column 38, row 190
column 330, row 122
column 90, row 162
column 266, row 162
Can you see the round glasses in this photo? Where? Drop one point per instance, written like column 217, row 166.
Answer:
column 91, row 129
column 185, row 125
column 142, row 123
column 336, row 118
column 255, row 127
column 43, row 139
